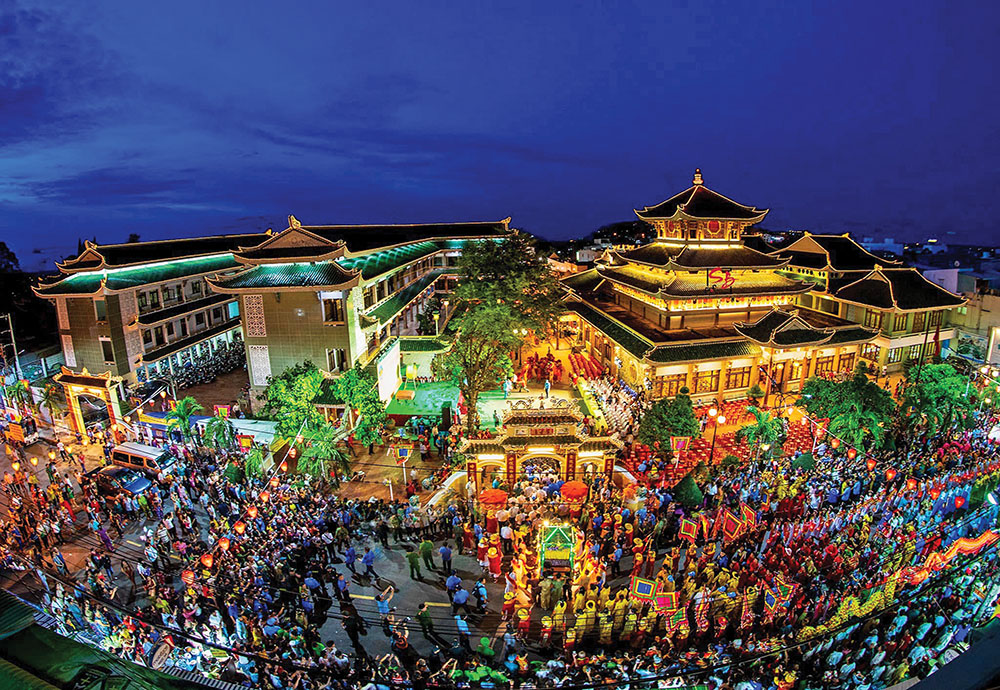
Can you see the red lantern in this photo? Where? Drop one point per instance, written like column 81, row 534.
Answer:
column 240, row 527
column 224, row 543
column 274, row 482
column 890, row 474
column 959, row 501
column 207, row 560
column 835, row 443
column 911, row 483
column 292, row 452
column 252, row 511
column 284, row 465
column 935, row 492
column 871, row 462
column 188, row 577
column 851, row 453
column 264, row 496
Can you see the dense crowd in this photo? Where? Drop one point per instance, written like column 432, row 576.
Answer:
column 747, row 607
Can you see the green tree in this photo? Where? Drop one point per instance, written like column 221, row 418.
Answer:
column 17, row 394
column 510, row 272
column 253, row 463
column 220, row 432
column 765, row 429
column 935, row 397
column 425, row 319
column 688, row 493
column 755, row 393
column 289, row 399
column 858, row 409
column 359, row 390
column 54, row 400
column 666, row 418
column 180, row 417
column 321, row 451
column 479, row 359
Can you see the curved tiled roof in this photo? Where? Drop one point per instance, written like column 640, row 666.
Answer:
column 685, row 258
column 326, row 274
column 904, row 289
column 132, row 253
column 698, row 201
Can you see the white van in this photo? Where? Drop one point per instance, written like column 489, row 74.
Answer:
column 147, row 459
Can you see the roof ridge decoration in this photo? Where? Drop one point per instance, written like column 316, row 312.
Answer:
column 678, row 205
column 292, row 237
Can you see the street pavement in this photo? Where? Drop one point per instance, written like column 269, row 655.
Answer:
column 391, row 567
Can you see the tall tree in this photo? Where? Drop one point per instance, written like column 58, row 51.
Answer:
column 289, row 399
column 858, row 409
column 479, row 359
column 669, row 417
column 52, row 399
column 765, row 429
column 220, row 432
column 935, row 397
column 359, row 390
column 510, row 272
column 180, row 417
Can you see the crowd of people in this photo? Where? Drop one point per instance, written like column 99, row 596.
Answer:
column 246, row 578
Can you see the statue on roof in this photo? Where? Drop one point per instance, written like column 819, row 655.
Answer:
column 294, row 223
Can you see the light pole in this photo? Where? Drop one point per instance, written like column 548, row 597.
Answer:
column 717, row 419
column 437, row 315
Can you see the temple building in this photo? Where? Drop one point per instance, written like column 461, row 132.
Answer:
column 699, row 307
column 144, row 308
column 338, row 295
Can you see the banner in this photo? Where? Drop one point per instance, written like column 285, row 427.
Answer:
column 221, row 410
column 642, row 589
column 688, row 529
column 245, row 441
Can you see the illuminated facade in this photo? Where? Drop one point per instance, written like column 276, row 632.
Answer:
column 699, row 307
column 340, row 295
column 142, row 309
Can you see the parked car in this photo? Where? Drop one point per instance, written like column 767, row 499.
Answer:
column 114, row 481
column 149, row 460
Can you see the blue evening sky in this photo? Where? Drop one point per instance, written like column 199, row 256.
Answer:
column 193, row 118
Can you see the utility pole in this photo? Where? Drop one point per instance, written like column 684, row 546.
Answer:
column 13, row 343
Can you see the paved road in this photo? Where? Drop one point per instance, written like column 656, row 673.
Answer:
column 391, row 567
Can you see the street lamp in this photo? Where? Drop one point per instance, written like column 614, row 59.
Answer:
column 437, row 315
column 720, row 419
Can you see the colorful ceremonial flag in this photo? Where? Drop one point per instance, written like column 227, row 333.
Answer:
column 746, row 616
column 701, row 612
column 732, row 526
column 664, row 601
column 749, row 516
column 641, row 588
column 688, row 530
column 705, row 526
column 675, row 620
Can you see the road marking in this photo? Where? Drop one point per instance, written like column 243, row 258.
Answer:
column 439, row 603
column 132, row 542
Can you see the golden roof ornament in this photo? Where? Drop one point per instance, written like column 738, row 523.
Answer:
column 294, row 223
column 697, row 177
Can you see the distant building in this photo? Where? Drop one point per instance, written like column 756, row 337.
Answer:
column 886, row 244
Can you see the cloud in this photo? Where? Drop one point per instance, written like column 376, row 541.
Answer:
column 52, row 75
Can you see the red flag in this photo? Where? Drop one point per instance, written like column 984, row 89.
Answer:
column 688, row 530
column 749, row 516
column 732, row 526
column 707, row 528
